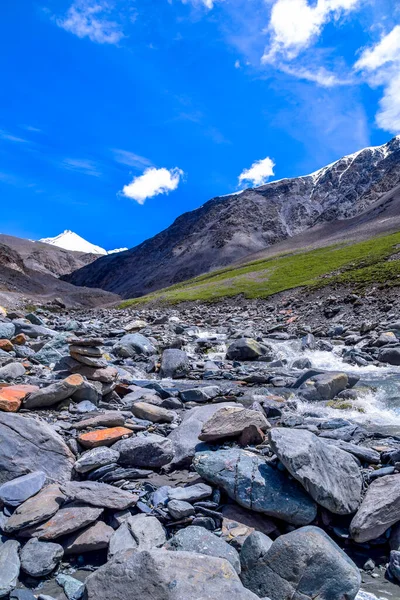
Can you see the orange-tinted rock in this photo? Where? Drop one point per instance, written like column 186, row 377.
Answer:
column 12, row 396
column 6, row 346
column 103, row 437
column 19, row 339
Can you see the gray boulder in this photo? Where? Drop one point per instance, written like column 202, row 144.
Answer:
column 174, row 364
column 40, row 558
column 229, row 422
column 330, row 475
column 202, row 541
column 95, row 458
column 379, row 510
column 9, row 567
column 254, row 484
column 185, row 438
column 132, row 344
column 253, row 552
column 7, row 330
column 179, row 509
column 390, row 356
column 147, row 451
column 35, row 510
column 31, row 330
column 161, row 575
column 200, row 394
column 248, row 349
column 11, row 371
column 14, row 492
column 304, row 564
column 31, row 445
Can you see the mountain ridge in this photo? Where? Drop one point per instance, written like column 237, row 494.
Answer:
column 69, row 240
column 228, row 228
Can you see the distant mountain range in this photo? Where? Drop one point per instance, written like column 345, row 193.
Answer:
column 353, row 193
column 68, row 240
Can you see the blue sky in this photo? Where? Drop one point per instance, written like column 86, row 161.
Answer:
column 118, row 115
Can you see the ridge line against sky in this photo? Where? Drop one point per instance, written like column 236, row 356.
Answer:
column 151, row 111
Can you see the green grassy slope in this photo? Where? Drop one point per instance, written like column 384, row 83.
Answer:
column 373, row 261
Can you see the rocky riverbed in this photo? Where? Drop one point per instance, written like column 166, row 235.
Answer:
column 200, row 452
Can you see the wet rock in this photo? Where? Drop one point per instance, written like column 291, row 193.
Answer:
column 151, row 451
column 54, row 393
column 328, row 385
column 201, row 541
column 134, row 343
column 230, row 422
column 31, row 445
column 11, row 397
column 390, row 356
column 35, row 510
column 161, row 575
column 93, row 538
column 174, row 364
column 103, row 437
column 379, row 509
column 304, row 564
column 40, row 558
column 95, row 458
column 13, row 493
column 254, row 484
column 331, row 476
column 9, row 567
column 68, row 519
column 98, row 494
column 247, row 349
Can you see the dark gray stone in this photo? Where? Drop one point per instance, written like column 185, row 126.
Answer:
column 68, row 519
column 40, row 558
column 254, row 484
column 35, row 510
column 229, row 422
column 148, row 451
column 390, row 356
column 93, row 538
column 253, row 551
column 190, row 493
column 11, row 371
column 178, row 509
column 132, row 344
column 248, row 349
column 54, row 393
column 9, row 567
column 200, row 394
column 137, row 532
column 99, row 494
column 7, row 331
column 330, row 475
column 95, row 458
column 174, row 363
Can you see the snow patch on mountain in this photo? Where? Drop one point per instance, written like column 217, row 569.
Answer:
column 74, row 242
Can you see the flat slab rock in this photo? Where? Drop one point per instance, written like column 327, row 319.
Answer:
column 30, row 445
column 68, row 519
column 162, row 575
column 379, row 510
column 99, row 494
column 254, row 484
column 103, row 437
column 93, row 538
column 229, row 422
column 330, row 475
column 36, row 510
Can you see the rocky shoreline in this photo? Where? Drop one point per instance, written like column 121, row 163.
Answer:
column 187, row 453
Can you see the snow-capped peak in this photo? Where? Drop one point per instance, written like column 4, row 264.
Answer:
column 72, row 241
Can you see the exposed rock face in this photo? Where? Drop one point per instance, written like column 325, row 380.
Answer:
column 228, row 228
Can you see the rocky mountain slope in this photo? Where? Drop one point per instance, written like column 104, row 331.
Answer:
column 228, row 228
column 29, row 274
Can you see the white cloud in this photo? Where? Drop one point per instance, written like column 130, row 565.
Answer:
column 294, row 24
column 320, row 75
column 4, row 135
column 259, row 172
column 380, row 66
column 238, row 65
column 86, row 18
column 87, row 167
column 132, row 160
column 152, row 183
